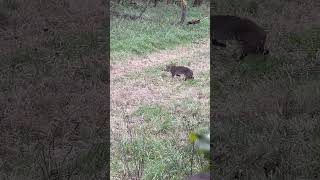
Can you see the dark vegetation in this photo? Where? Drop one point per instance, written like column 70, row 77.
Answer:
column 53, row 90
column 266, row 112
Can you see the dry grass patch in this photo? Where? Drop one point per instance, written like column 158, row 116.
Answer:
column 151, row 108
column 137, row 63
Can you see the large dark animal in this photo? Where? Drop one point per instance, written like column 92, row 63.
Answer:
column 251, row 36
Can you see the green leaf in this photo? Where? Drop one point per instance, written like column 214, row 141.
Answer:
column 193, row 137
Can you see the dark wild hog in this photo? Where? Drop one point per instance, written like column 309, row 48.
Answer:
column 251, row 36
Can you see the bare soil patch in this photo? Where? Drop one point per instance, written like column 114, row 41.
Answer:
column 138, row 63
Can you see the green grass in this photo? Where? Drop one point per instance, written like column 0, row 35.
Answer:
column 180, row 62
column 161, row 157
column 154, row 114
column 129, row 38
column 164, row 156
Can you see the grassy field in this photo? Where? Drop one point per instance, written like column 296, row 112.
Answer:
column 53, row 90
column 157, row 32
column 267, row 112
column 152, row 114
